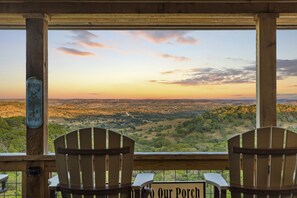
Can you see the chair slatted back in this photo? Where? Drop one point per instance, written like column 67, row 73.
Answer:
column 94, row 162
column 262, row 163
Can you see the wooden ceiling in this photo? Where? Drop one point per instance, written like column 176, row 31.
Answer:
column 147, row 14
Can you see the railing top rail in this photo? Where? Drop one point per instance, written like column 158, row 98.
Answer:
column 138, row 156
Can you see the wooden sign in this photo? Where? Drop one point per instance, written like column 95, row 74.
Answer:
column 34, row 102
column 178, row 190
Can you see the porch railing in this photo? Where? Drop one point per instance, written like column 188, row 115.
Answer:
column 168, row 165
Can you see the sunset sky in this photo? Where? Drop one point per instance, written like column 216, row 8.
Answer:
column 149, row 64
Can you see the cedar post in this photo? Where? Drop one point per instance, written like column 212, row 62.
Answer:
column 266, row 69
column 37, row 68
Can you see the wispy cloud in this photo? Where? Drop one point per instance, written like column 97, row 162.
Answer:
column 74, row 52
column 287, row 96
column 163, row 36
column 215, row 76
column 212, row 76
column 81, row 38
column 240, row 60
column 186, row 40
column 286, row 68
column 172, row 72
column 94, row 94
column 86, row 38
column 175, row 58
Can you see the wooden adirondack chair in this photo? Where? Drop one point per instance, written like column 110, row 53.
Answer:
column 3, row 180
column 262, row 163
column 96, row 162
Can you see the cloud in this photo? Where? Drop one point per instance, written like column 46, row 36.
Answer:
column 163, row 36
column 186, row 40
column 286, row 68
column 171, row 72
column 85, row 38
column 82, row 38
column 152, row 81
column 287, row 96
column 240, row 60
column 175, row 58
column 74, row 52
column 214, row 76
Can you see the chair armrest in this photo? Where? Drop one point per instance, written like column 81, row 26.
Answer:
column 53, row 182
column 143, row 179
column 3, row 180
column 217, row 180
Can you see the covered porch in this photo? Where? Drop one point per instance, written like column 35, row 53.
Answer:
column 37, row 17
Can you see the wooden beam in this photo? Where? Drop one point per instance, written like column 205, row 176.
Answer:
column 37, row 134
column 266, row 69
column 147, row 21
column 37, row 66
column 148, row 7
column 142, row 161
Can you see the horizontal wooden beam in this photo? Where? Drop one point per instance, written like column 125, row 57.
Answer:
column 149, row 7
column 142, row 161
column 147, row 21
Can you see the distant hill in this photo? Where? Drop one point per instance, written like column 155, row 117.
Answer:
column 106, row 107
column 210, row 130
column 204, row 131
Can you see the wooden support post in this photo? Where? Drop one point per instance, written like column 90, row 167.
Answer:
column 266, row 69
column 37, row 100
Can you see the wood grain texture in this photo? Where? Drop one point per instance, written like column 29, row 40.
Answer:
column 248, row 161
column 127, row 165
column 266, row 69
column 276, row 167
column 100, row 165
column 148, row 21
column 234, row 164
column 278, row 136
column 157, row 7
column 36, row 65
column 86, row 162
column 127, row 161
column 142, row 161
column 61, row 161
column 262, row 165
column 290, row 161
column 73, row 162
column 114, row 160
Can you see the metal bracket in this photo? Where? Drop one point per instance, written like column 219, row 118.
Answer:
column 34, row 171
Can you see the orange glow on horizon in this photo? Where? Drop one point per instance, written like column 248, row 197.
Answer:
column 156, row 91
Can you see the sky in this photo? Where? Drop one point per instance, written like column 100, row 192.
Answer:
column 148, row 64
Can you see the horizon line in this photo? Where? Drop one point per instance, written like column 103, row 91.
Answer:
column 148, row 99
